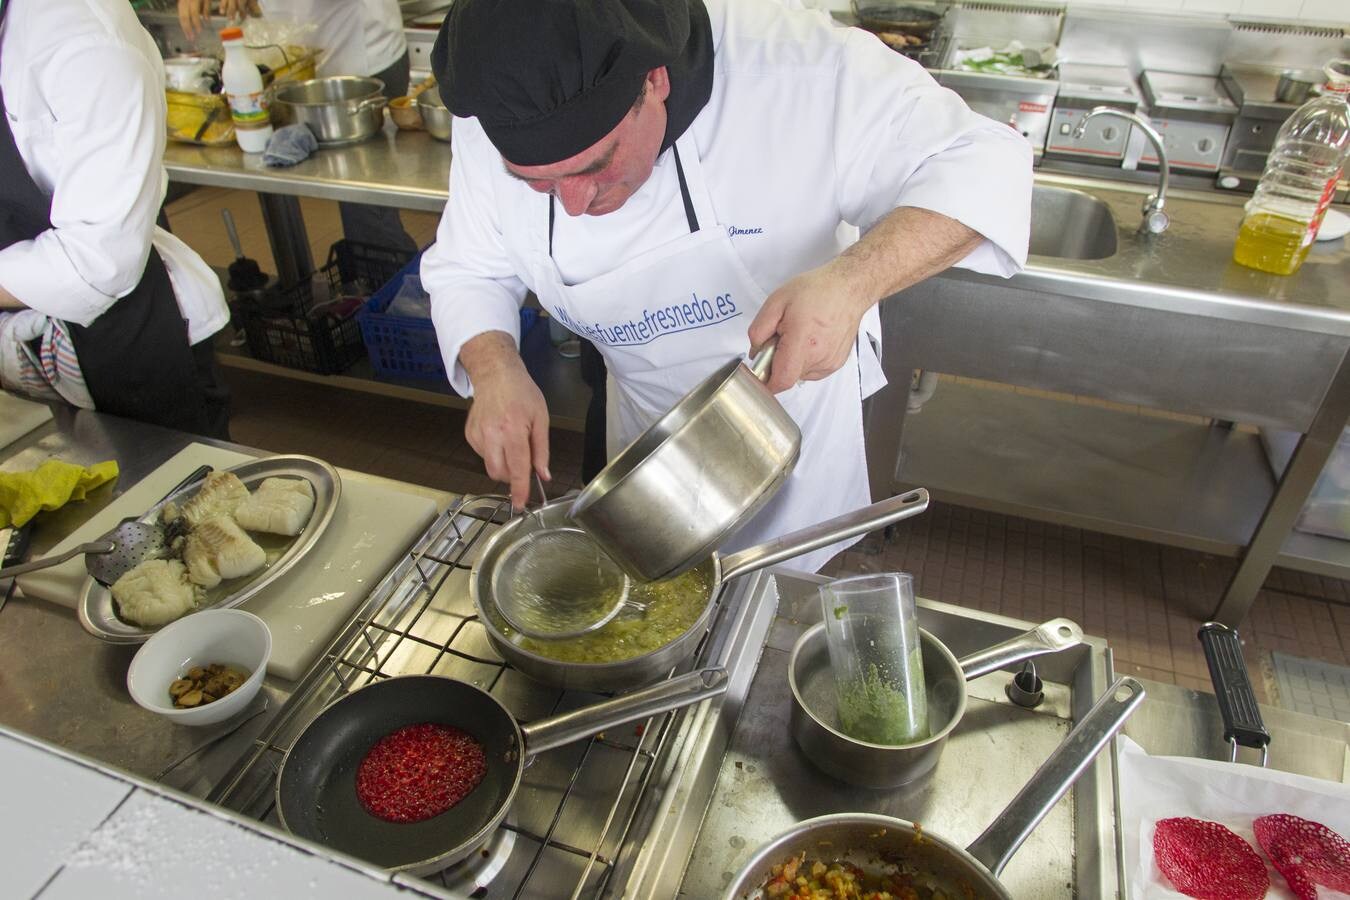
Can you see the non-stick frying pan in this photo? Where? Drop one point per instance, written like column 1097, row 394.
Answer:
column 316, row 787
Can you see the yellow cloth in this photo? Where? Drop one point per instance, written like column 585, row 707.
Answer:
column 51, row 486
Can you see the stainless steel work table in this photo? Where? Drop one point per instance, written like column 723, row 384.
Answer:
column 1167, row 322
column 67, row 688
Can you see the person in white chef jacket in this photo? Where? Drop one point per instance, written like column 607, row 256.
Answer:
column 98, row 306
column 356, row 37
column 680, row 180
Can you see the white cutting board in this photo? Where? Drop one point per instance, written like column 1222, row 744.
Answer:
column 372, row 526
column 18, row 417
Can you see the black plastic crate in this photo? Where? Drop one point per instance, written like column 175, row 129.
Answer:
column 299, row 330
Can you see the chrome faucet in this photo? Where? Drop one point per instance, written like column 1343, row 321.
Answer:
column 1155, row 219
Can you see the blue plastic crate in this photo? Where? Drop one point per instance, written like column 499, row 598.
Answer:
column 405, row 347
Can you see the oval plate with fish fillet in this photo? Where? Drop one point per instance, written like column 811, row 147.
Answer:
column 98, row 611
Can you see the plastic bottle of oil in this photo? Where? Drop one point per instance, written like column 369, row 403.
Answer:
column 1300, row 179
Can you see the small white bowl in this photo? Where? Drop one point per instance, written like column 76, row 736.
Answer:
column 228, row 636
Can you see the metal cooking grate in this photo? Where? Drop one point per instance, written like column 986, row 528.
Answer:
column 1312, row 31
column 576, row 805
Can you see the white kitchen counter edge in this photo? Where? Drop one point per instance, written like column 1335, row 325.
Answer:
column 130, row 838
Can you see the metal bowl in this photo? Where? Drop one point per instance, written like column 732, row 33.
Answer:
column 435, row 117
column 339, row 110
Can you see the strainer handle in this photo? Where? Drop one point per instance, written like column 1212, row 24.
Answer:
column 48, row 561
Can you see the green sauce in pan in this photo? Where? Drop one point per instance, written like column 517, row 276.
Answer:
column 672, row 607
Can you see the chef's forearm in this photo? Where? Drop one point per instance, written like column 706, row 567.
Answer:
column 904, row 248
column 488, row 355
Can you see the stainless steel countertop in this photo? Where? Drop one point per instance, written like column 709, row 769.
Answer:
column 60, row 684
column 407, row 169
column 1187, row 269
column 64, row 687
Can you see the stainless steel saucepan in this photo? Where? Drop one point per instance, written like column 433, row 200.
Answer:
column 695, row 476
column 717, row 571
column 339, row 110
column 881, row 846
column 814, row 718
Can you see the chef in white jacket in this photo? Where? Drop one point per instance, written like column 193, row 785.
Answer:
column 97, row 304
column 355, row 37
column 680, row 180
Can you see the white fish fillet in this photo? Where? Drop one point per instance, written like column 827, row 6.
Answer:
column 278, row 506
column 219, row 549
column 155, row 593
column 220, row 494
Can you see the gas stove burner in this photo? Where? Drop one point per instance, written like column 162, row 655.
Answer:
column 477, row 871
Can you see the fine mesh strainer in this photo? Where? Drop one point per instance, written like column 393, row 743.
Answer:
column 556, row 583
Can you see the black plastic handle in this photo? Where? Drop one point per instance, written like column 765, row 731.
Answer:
column 1242, row 722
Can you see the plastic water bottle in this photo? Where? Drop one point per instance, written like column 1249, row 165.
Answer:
column 243, row 87
column 1300, row 179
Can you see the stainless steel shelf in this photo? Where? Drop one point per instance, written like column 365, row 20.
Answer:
column 1163, row 480
column 560, row 379
column 1200, row 487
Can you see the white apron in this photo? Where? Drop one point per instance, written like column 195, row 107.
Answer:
column 666, row 319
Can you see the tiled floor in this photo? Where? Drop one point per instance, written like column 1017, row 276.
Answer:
column 1147, row 600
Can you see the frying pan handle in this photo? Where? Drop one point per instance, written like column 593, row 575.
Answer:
column 859, row 521
column 762, row 364
column 684, row 690
column 49, row 561
column 1242, row 722
column 1056, row 775
column 1048, row 637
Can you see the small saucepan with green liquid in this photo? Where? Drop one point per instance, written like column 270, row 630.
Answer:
column 817, row 721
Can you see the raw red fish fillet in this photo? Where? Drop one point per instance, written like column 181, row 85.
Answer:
column 1306, row 853
column 1208, row 861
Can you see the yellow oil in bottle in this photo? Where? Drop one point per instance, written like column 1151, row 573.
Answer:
column 1272, row 243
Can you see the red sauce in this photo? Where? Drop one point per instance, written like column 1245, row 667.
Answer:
column 418, row 772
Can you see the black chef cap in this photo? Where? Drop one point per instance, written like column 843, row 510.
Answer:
column 549, row 78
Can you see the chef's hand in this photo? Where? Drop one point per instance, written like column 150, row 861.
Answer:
column 508, row 421
column 194, row 15
column 816, row 317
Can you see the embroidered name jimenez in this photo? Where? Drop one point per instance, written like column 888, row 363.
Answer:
column 699, row 312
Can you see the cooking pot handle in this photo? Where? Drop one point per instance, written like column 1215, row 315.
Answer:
column 1048, row 637
column 860, row 521
column 379, row 102
column 684, row 690
column 1056, row 775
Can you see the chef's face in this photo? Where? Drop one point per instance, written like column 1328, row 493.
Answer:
column 602, row 177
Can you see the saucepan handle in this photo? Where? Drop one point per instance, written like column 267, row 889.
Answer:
column 1048, row 637
column 1056, row 775
column 859, row 521
column 684, row 690
column 763, row 362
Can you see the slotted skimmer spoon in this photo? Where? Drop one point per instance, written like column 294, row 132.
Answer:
column 108, row 558
column 117, row 552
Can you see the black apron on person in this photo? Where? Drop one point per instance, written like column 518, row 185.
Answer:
column 136, row 357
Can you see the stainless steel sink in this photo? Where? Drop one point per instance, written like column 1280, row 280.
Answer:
column 1070, row 224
